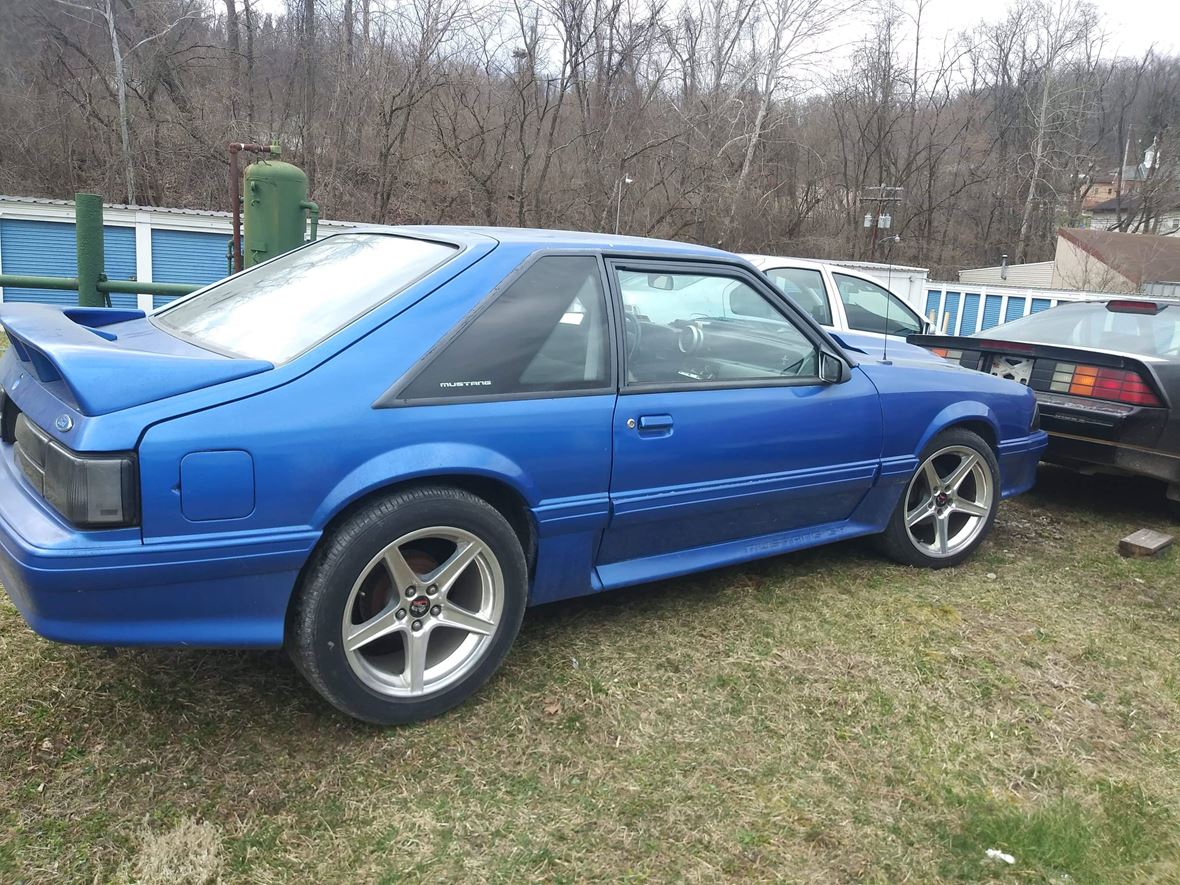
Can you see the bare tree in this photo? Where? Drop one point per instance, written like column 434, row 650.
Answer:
column 105, row 10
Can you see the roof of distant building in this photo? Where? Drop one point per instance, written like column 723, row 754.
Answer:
column 1141, row 258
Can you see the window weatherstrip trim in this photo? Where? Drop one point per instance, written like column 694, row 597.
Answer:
column 393, row 397
column 761, row 284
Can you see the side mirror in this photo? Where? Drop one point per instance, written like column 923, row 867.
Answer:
column 832, row 369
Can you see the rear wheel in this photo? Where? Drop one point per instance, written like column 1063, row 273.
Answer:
column 949, row 505
column 410, row 606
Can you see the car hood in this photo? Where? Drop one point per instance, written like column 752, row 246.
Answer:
column 102, row 360
column 864, row 345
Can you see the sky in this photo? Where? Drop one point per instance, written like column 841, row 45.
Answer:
column 1133, row 26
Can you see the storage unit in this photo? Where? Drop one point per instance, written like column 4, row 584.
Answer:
column 48, row 248
column 957, row 305
column 183, row 256
column 148, row 244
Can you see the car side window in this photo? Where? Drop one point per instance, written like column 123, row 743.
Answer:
column 681, row 328
column 545, row 332
column 806, row 288
column 873, row 308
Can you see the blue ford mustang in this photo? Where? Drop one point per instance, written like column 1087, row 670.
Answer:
column 378, row 449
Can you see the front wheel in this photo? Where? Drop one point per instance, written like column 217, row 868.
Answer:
column 410, row 605
column 949, row 505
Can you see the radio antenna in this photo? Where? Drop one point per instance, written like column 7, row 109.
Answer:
column 896, row 238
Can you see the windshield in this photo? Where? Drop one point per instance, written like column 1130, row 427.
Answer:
column 278, row 310
column 1092, row 325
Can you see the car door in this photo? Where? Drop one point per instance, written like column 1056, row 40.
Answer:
column 723, row 431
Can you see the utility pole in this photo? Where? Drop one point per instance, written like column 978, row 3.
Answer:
column 880, row 197
column 623, row 179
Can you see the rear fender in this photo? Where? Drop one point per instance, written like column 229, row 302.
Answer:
column 422, row 462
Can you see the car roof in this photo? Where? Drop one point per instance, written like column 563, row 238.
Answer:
column 769, row 262
column 784, row 261
column 553, row 239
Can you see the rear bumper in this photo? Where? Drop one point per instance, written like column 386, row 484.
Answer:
column 1018, row 462
column 1113, row 437
column 110, row 588
column 1081, row 452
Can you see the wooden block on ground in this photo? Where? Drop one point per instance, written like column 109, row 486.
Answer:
column 1144, row 542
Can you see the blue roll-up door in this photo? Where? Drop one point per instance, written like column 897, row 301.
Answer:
column 49, row 248
column 1016, row 309
column 119, row 254
column 970, row 313
column 1039, row 304
column 950, row 309
column 181, row 256
column 991, row 311
column 932, row 299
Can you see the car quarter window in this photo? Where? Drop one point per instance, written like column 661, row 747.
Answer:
column 873, row 308
column 806, row 288
column 545, row 332
column 685, row 328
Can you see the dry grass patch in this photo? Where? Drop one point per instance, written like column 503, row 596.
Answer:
column 187, row 854
column 824, row 717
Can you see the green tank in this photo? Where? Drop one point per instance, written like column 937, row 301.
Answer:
column 274, row 203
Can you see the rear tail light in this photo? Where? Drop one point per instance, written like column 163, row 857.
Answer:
column 1097, row 382
column 946, row 353
column 91, row 491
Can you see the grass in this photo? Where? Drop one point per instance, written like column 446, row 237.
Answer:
column 822, row 717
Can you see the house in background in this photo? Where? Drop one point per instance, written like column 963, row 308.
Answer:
column 1135, row 199
column 1162, row 215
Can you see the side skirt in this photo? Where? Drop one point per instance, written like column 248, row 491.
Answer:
column 671, row 565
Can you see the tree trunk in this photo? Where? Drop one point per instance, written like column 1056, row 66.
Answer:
column 309, row 72
column 248, row 14
column 234, row 48
column 1038, row 163
column 121, row 96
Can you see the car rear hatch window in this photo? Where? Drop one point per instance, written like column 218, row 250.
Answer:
column 1145, row 328
column 280, row 309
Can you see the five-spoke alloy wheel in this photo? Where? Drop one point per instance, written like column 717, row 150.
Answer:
column 410, row 605
column 949, row 505
column 414, row 624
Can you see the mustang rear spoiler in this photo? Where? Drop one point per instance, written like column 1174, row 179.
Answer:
column 74, row 355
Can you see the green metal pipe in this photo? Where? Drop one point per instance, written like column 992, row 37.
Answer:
column 131, row 287
column 26, row 281
column 70, row 284
column 314, row 209
column 88, row 231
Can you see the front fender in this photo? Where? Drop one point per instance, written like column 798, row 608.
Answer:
column 960, row 413
column 418, row 462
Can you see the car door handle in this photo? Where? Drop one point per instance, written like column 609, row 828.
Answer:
column 655, row 423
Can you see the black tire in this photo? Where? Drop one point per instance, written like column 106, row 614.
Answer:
column 315, row 625
column 896, row 543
